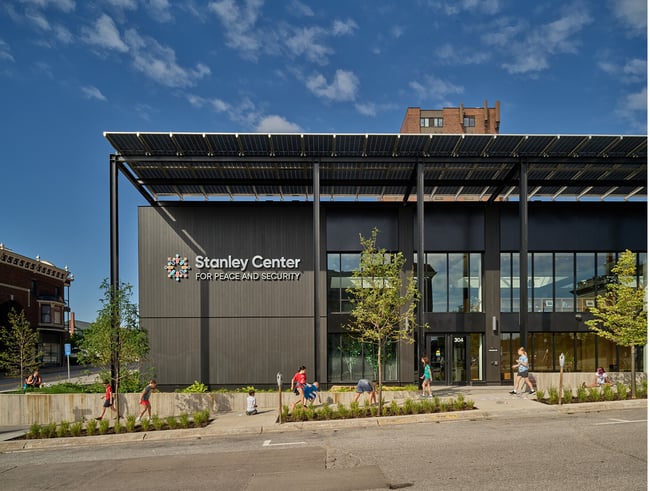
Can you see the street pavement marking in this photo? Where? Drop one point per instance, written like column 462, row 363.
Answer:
column 622, row 421
column 267, row 443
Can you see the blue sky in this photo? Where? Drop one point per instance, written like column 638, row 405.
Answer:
column 72, row 69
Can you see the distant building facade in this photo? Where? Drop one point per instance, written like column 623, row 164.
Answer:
column 38, row 288
column 453, row 120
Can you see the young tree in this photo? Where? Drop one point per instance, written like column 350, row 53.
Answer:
column 384, row 298
column 21, row 341
column 107, row 344
column 620, row 315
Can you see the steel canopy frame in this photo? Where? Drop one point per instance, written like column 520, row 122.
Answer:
column 166, row 167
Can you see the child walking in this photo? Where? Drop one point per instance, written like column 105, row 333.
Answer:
column 108, row 399
column 426, row 378
column 144, row 399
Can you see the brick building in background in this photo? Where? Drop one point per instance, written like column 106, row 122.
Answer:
column 37, row 287
column 453, row 120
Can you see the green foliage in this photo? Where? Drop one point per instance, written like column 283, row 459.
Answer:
column 48, row 431
column 384, row 299
column 20, row 355
column 567, row 397
column 63, row 429
column 621, row 391
column 409, row 406
column 326, row 412
column 103, row 426
column 593, row 394
column 201, row 418
column 118, row 427
column 115, row 338
column 34, row 431
column 145, row 424
column 76, row 428
column 130, row 423
column 608, row 393
column 184, row 420
column 553, row 395
column 582, row 394
column 343, row 410
column 196, row 387
column 642, row 390
column 172, row 422
column 157, row 422
column 91, row 427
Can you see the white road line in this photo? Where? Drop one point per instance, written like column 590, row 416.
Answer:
column 622, row 421
column 267, row 443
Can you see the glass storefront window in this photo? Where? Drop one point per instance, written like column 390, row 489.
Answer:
column 349, row 360
column 607, row 355
column 333, row 283
column 564, row 343
column 515, row 282
column 585, row 352
column 475, row 283
column 642, row 269
column 458, row 292
column 605, row 261
column 438, row 265
column 540, row 355
column 585, row 281
column 349, row 263
column 505, row 284
column 563, row 282
column 476, row 367
column 542, row 297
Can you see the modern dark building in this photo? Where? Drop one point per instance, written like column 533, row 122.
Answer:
column 249, row 241
column 38, row 288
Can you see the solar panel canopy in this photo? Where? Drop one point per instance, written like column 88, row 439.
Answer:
column 187, row 166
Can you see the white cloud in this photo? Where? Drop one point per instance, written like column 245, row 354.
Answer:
column 158, row 62
column 38, row 19
column 276, row 124
column 454, row 7
column 63, row 5
column 158, row 10
column 63, row 34
column 91, row 92
column 632, row 71
column 298, row 8
column 434, row 89
column 633, row 14
column 342, row 28
column 124, row 4
column 239, row 24
column 304, row 41
column 5, row 51
column 343, row 87
column 451, row 55
column 104, row 34
column 215, row 104
column 633, row 109
column 531, row 54
column 372, row 109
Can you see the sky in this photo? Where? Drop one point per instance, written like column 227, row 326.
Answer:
column 73, row 69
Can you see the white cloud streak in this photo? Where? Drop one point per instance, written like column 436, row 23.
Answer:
column 343, row 87
column 5, row 52
column 91, row 92
column 104, row 35
column 276, row 124
column 633, row 14
column 434, row 89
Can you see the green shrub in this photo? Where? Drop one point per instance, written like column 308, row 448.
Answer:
column 172, row 422
column 130, row 423
column 158, row 423
column 444, row 406
column 145, row 424
column 553, row 395
column 541, row 394
column 326, row 412
column 201, row 418
column 48, row 431
column 393, row 409
column 184, row 420
column 409, row 407
column 196, row 387
column 63, row 429
column 103, row 427
column 594, row 394
column 621, row 391
column 459, row 403
column 91, row 427
column 34, row 431
column 436, row 403
column 642, row 390
column 76, row 428
column 608, row 393
column 342, row 410
column 582, row 394
column 567, row 397
column 355, row 410
column 118, row 427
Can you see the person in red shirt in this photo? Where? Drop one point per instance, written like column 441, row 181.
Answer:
column 108, row 399
column 298, row 383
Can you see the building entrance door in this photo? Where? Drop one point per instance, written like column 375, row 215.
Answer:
column 448, row 357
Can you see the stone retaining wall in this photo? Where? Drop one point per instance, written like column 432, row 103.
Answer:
column 573, row 380
column 32, row 407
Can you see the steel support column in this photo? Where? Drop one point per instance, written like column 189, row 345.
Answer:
column 421, row 349
column 115, row 272
column 317, row 269
column 523, row 254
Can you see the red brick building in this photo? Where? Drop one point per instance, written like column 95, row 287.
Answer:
column 37, row 287
column 453, row 120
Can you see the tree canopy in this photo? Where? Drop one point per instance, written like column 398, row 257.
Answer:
column 21, row 353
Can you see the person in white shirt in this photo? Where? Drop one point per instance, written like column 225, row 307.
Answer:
column 251, row 403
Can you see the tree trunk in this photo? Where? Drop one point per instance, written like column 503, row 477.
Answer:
column 379, row 381
column 633, row 385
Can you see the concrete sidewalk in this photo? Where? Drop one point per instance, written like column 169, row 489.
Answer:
column 491, row 402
